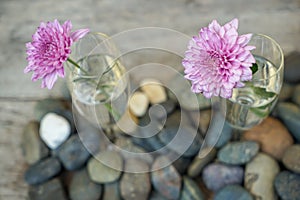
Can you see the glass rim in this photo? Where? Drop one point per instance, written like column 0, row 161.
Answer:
column 281, row 54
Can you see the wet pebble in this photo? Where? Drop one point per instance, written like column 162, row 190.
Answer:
column 287, row 185
column 105, row 167
column 154, row 90
column 166, row 180
column 73, row 153
column 135, row 186
column 291, row 158
column 260, row 173
column 42, row 171
column 218, row 175
column 138, row 103
column 233, row 192
column 82, row 187
column 54, row 130
column 238, row 153
column 33, row 147
column 111, row 191
column 191, row 190
column 50, row 190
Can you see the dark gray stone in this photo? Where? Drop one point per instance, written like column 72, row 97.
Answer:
column 168, row 106
column 42, row 171
column 156, row 196
column 190, row 190
column 286, row 92
column 135, row 186
column 233, row 192
column 200, row 162
column 51, row 190
column 184, row 141
column 166, row 180
column 287, row 185
column 238, row 153
column 73, row 154
column 82, row 187
column 111, row 191
column 218, row 175
column 291, row 67
column 33, row 147
column 182, row 163
column 290, row 115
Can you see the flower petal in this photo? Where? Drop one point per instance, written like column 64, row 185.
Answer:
column 76, row 35
column 50, row 79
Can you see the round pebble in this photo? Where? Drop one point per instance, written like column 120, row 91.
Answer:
column 238, row 153
column 287, row 185
column 291, row 158
column 105, row 167
column 260, row 173
column 82, row 187
column 73, row 154
column 54, row 130
column 290, row 115
column 167, row 180
column 190, row 190
column 233, row 192
column 111, row 191
column 272, row 135
column 135, row 186
column 218, row 175
column 291, row 68
column 154, row 90
column 33, row 148
column 138, row 104
column 42, row 171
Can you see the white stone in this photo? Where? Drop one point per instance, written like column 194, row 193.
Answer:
column 260, row 173
column 154, row 90
column 138, row 104
column 54, row 130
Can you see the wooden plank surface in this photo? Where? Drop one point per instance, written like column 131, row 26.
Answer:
column 19, row 19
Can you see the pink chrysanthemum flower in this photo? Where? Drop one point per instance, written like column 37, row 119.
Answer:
column 49, row 49
column 218, row 60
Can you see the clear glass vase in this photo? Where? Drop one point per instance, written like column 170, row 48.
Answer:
column 97, row 80
column 251, row 104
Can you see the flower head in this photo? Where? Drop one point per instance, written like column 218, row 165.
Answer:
column 49, row 49
column 218, row 60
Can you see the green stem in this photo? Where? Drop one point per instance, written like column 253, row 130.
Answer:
column 76, row 65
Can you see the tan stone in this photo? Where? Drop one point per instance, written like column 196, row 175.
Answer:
column 272, row 135
column 138, row 104
column 154, row 90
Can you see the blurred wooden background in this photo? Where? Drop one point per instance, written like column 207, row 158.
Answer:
column 18, row 21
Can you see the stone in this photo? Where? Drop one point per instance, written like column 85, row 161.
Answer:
column 286, row 92
column 201, row 119
column 111, row 191
column 290, row 115
column 217, row 175
column 191, row 190
column 296, row 95
column 127, row 123
column 291, row 67
column 82, row 187
column 73, row 154
column 54, row 130
column 238, row 153
column 233, row 192
column 291, row 158
column 181, row 164
column 42, row 171
column 134, row 185
column 33, row 147
column 224, row 137
column 184, row 141
column 105, row 167
column 156, row 196
column 287, row 185
column 50, row 190
column 154, row 90
column 91, row 139
column 167, row 107
column 166, row 180
column 196, row 167
column 272, row 135
column 138, row 103
column 260, row 173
